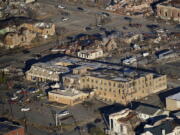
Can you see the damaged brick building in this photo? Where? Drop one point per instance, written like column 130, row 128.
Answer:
column 19, row 32
column 110, row 83
column 132, row 7
column 169, row 10
column 41, row 28
column 89, row 43
column 24, row 37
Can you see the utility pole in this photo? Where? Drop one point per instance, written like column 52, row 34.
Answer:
column 76, row 125
column 96, row 20
column 3, row 103
column 11, row 110
column 25, row 121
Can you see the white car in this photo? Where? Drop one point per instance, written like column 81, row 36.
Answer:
column 64, row 113
column 19, row 91
column 61, row 7
column 55, row 86
column 14, row 98
column 40, row 95
column 65, row 19
column 25, row 109
column 35, row 91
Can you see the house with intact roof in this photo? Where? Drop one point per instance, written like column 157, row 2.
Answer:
column 173, row 102
column 147, row 111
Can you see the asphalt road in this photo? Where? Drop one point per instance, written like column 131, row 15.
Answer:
column 78, row 20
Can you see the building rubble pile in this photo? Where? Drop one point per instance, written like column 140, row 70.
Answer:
column 10, row 8
column 131, row 7
column 88, row 43
column 21, row 32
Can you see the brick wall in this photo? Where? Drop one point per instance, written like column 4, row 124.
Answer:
column 168, row 12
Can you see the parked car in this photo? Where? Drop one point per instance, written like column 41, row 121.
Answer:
column 106, row 14
column 33, row 90
column 26, row 51
column 97, row 120
column 40, row 95
column 14, row 98
column 65, row 19
column 25, row 109
column 88, row 28
column 125, row 28
column 77, row 128
column 61, row 7
column 65, row 13
column 102, row 29
column 18, row 92
column 64, row 113
column 80, row 8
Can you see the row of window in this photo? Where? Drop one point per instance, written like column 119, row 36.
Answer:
column 113, row 84
column 160, row 85
column 130, row 86
column 171, row 14
column 119, row 85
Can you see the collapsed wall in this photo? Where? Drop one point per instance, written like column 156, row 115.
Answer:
column 132, row 7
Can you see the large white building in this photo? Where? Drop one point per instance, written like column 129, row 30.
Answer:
column 68, row 96
column 46, row 72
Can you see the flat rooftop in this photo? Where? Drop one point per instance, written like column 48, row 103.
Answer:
column 67, row 92
column 145, row 109
column 121, row 75
column 79, row 63
column 98, row 69
column 40, row 67
column 75, row 61
column 175, row 96
column 109, row 75
column 6, row 127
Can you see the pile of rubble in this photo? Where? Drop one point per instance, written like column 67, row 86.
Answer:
column 15, row 32
column 10, row 8
column 132, row 7
column 88, row 43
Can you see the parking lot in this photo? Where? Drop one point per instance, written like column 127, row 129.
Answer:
column 40, row 116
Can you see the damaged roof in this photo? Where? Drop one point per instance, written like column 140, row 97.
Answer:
column 15, row 21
